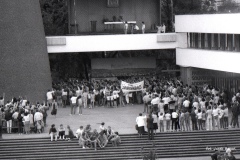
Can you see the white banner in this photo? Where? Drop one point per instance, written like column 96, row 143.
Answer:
column 132, row 87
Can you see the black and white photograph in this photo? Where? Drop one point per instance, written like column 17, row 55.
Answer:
column 119, row 79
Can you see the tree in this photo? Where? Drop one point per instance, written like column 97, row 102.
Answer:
column 54, row 14
column 176, row 7
column 229, row 6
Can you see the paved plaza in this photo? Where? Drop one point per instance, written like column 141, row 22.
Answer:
column 121, row 119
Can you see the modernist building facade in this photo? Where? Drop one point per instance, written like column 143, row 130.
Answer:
column 207, row 47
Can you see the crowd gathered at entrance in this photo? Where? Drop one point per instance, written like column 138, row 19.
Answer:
column 168, row 105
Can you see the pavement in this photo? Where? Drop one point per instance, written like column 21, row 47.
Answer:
column 121, row 119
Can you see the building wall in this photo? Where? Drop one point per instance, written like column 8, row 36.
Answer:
column 24, row 63
column 122, row 63
column 209, row 23
column 94, row 43
column 130, row 10
column 214, row 60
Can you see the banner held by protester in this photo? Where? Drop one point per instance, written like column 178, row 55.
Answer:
column 132, row 87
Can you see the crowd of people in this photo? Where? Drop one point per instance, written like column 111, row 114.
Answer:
column 169, row 105
column 19, row 116
column 87, row 137
column 172, row 106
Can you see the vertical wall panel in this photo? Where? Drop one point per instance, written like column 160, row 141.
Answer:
column 24, row 62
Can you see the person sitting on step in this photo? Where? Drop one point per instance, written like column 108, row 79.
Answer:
column 61, row 132
column 53, row 132
column 116, row 140
column 70, row 135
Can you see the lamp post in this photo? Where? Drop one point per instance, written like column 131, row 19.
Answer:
column 75, row 15
column 160, row 10
column 172, row 13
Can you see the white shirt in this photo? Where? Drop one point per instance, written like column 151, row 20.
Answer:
column 26, row 118
column 186, row 103
column 49, row 95
column 168, row 116
column 215, row 112
column 79, row 132
column 24, row 101
column 199, row 115
column 140, row 121
column 174, row 115
column 209, row 113
column 195, row 104
column 166, row 100
column 38, row 116
column 155, row 119
column 155, row 101
column 225, row 112
column 74, row 100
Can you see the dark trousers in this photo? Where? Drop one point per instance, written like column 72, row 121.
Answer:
column 214, row 156
column 150, row 134
column 145, row 107
column 235, row 120
column 194, row 124
column 174, row 123
column 20, row 127
column 45, row 120
column 225, row 122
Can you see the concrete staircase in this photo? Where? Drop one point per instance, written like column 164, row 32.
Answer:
column 167, row 145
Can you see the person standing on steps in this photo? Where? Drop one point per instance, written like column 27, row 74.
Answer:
column 140, row 124
column 150, row 127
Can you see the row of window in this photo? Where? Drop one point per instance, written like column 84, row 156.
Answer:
column 214, row 41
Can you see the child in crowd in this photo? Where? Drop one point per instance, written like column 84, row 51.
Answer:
column 53, row 132
column 61, row 132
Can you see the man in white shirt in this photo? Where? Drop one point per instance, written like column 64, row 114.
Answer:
column 49, row 98
column 73, row 104
column 38, row 116
column 166, row 99
column 174, row 119
column 154, row 104
column 186, row 104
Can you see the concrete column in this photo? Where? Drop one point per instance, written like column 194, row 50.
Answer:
column 186, row 75
column 24, row 62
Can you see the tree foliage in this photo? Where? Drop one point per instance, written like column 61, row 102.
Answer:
column 54, row 13
column 180, row 7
